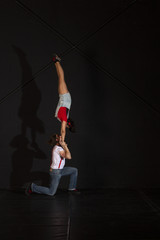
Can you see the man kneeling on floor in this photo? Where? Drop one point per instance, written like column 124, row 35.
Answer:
column 60, row 151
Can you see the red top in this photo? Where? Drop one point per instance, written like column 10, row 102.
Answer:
column 62, row 114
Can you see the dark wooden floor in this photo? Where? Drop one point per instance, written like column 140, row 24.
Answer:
column 94, row 214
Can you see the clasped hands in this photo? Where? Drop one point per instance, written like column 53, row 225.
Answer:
column 62, row 143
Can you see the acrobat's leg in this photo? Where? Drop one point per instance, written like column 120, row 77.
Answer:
column 62, row 87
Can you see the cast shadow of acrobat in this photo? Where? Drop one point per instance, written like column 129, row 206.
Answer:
column 25, row 144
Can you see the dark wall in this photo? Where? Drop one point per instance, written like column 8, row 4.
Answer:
column 110, row 55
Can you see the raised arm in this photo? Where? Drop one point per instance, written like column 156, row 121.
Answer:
column 63, row 130
column 66, row 153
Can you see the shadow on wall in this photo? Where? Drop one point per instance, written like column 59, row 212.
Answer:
column 26, row 152
column 30, row 100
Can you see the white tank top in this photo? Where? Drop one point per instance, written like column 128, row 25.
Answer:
column 57, row 161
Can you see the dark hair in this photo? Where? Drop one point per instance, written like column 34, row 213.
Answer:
column 52, row 141
column 71, row 125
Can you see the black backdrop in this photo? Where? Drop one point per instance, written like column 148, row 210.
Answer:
column 110, row 55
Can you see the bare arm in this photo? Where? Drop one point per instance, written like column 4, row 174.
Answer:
column 63, row 130
column 66, row 153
